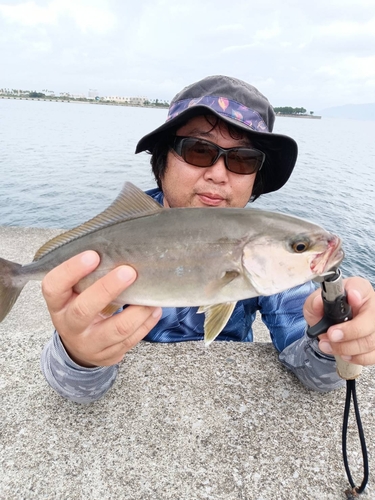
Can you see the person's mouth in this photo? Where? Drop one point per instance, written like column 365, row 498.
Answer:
column 211, row 199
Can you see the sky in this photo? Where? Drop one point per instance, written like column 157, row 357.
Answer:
column 311, row 54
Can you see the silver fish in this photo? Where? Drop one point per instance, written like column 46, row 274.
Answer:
column 186, row 257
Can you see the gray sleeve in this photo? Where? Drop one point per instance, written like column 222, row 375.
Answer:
column 313, row 368
column 72, row 381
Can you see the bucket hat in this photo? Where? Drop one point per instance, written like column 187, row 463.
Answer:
column 242, row 105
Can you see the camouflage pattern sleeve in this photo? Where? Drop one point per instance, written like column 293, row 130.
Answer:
column 74, row 382
column 314, row 369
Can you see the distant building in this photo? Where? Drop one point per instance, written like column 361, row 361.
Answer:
column 93, row 93
column 137, row 101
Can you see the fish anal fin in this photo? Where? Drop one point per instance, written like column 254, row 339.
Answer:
column 131, row 203
column 216, row 317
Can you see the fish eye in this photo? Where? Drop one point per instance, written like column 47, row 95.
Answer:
column 300, row 246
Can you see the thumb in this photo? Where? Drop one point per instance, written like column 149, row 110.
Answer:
column 313, row 308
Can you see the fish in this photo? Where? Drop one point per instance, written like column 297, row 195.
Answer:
column 209, row 258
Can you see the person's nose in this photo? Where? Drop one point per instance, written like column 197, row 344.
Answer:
column 217, row 172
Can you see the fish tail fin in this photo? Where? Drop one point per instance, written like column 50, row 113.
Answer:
column 10, row 288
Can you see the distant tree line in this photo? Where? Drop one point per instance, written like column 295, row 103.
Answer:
column 156, row 102
column 37, row 94
column 288, row 110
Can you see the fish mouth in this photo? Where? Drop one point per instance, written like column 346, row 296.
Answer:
column 331, row 257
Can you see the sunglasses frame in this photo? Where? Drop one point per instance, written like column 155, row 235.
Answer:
column 178, row 142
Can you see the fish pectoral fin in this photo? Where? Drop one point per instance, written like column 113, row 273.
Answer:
column 216, row 317
column 131, row 203
column 217, row 285
column 110, row 309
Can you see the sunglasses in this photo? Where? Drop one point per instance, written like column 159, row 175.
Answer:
column 201, row 153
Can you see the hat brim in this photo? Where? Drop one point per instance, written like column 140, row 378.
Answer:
column 281, row 151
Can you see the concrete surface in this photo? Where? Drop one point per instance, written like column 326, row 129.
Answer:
column 183, row 422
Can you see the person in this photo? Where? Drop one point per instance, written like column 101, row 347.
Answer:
column 216, row 149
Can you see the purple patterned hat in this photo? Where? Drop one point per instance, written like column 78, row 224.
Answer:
column 242, row 105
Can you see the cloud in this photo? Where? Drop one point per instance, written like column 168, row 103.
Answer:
column 314, row 55
column 344, row 29
column 28, row 14
column 228, row 28
column 88, row 16
column 238, row 48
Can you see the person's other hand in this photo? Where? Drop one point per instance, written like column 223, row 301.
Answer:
column 352, row 340
column 89, row 338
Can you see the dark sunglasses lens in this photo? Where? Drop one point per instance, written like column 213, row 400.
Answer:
column 198, row 153
column 244, row 161
column 202, row 153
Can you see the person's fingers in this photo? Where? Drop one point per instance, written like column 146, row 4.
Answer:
column 360, row 352
column 134, row 320
column 87, row 305
column 129, row 332
column 367, row 359
column 313, row 308
column 354, row 340
column 360, row 295
column 57, row 285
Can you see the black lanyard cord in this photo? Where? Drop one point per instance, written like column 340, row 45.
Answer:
column 351, row 393
column 337, row 310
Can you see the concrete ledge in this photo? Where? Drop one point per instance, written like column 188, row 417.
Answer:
column 182, row 422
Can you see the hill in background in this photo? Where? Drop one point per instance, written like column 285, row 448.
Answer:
column 354, row 111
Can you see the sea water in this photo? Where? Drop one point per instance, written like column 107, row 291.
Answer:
column 62, row 163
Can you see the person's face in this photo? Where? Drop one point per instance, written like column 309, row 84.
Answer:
column 185, row 185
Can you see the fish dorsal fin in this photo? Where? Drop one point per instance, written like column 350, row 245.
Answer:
column 131, row 203
column 216, row 317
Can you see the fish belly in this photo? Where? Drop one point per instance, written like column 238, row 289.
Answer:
column 181, row 262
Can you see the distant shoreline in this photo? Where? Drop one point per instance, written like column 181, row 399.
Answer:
column 310, row 117
column 112, row 103
column 76, row 101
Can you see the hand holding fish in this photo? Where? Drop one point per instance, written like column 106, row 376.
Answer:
column 354, row 340
column 89, row 338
